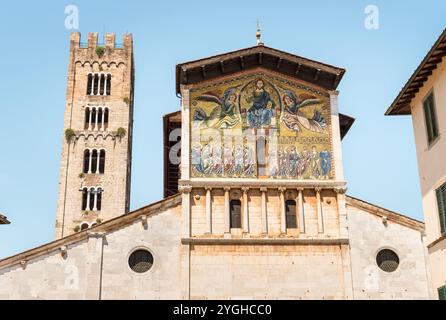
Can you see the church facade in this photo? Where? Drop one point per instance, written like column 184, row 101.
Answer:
column 255, row 200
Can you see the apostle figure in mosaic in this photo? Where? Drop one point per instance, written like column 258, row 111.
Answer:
column 197, row 162
column 303, row 163
column 250, row 161
column 238, row 159
column 228, row 161
column 315, row 164
column 294, row 119
column 283, row 162
column 293, row 162
column 273, row 162
column 262, row 106
column 325, row 159
column 206, row 157
column 223, row 116
column 217, row 163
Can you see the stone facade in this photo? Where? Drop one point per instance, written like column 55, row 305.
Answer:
column 115, row 181
column 93, row 264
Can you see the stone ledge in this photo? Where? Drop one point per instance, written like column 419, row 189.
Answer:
column 435, row 242
column 264, row 241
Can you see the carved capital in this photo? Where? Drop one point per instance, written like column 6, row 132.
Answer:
column 185, row 189
column 340, row 190
column 227, row 188
column 317, row 189
column 245, row 189
column 281, row 189
column 300, row 189
column 263, row 189
column 208, row 188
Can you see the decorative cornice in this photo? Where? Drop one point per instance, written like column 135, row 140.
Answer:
column 263, row 241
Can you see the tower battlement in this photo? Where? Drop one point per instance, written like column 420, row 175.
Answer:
column 109, row 41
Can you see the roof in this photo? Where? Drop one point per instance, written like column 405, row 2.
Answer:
column 318, row 73
column 108, row 226
column 401, row 104
column 4, row 220
column 385, row 213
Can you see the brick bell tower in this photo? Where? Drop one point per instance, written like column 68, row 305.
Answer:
column 95, row 170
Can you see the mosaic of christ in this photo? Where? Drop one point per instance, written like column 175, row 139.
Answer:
column 228, row 118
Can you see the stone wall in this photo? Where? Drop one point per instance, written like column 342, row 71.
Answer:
column 368, row 235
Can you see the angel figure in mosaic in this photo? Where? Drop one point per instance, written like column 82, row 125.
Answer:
column 223, row 116
column 294, row 119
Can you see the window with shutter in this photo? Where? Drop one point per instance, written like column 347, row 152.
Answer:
column 430, row 118
column 441, row 201
column 442, row 293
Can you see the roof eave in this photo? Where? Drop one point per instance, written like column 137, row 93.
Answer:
column 401, row 104
column 330, row 75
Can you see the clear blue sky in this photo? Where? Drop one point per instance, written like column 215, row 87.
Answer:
column 379, row 152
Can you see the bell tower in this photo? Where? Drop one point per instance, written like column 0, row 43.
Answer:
column 94, row 183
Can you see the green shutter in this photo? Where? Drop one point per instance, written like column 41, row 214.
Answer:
column 430, row 118
column 442, row 207
column 442, row 293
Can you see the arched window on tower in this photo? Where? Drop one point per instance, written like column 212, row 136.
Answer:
column 84, row 199
column 235, row 211
column 102, row 161
column 96, row 84
column 101, row 84
column 93, row 119
column 108, row 87
column 100, row 115
column 94, row 161
column 86, row 161
column 89, row 84
column 84, row 226
column 99, row 199
column 105, row 119
column 87, row 118
column 92, row 192
column 290, row 211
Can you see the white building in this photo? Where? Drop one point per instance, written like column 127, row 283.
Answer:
column 424, row 97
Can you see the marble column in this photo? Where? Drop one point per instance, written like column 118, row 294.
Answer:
column 263, row 190
column 300, row 207
column 245, row 210
column 227, row 211
column 208, row 210
column 320, row 217
column 282, row 210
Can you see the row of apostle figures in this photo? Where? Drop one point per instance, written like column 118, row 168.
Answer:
column 244, row 158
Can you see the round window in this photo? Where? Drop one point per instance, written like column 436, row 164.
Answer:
column 141, row 261
column 387, row 260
